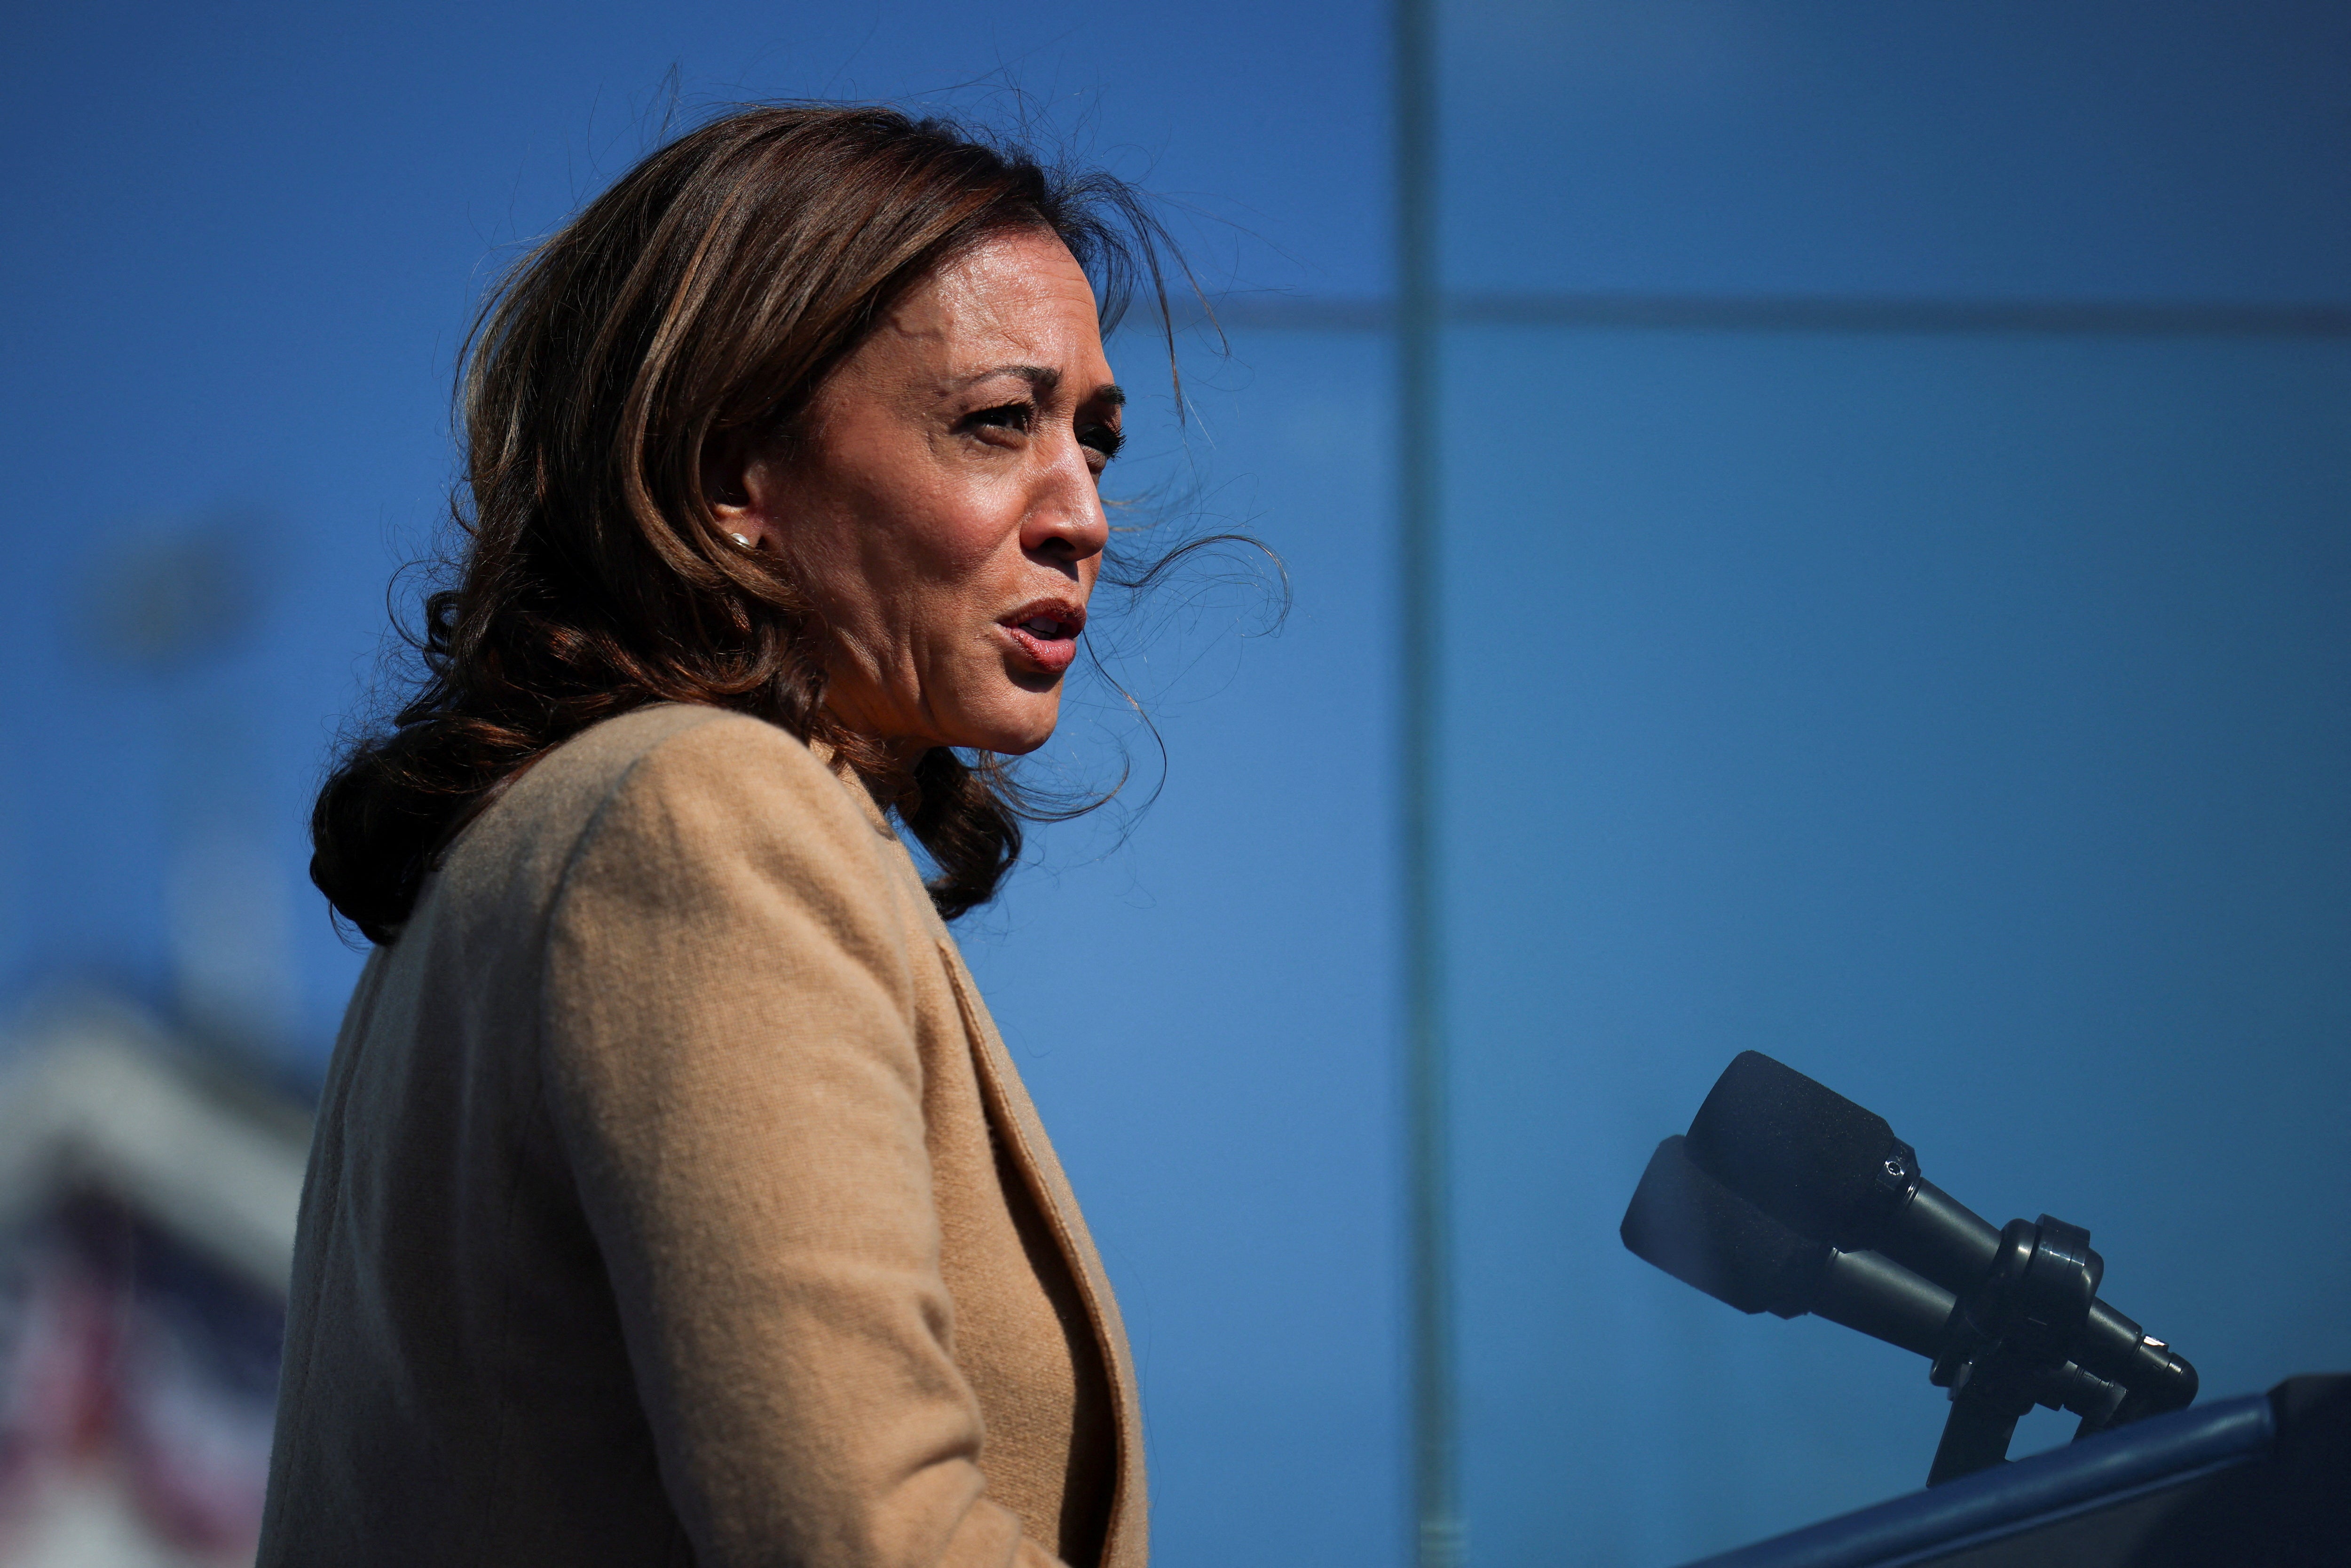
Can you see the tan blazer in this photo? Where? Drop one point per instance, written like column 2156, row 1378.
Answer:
column 675, row 1200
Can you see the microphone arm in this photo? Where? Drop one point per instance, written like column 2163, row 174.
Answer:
column 1932, row 1232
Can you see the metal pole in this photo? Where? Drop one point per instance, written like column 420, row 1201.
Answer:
column 1436, row 1501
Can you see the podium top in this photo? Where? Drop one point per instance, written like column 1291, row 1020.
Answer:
column 2162, row 1451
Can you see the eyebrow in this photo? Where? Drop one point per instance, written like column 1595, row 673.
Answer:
column 1044, row 380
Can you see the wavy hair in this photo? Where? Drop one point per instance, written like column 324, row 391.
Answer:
column 709, row 290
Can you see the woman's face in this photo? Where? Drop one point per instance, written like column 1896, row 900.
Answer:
column 943, row 510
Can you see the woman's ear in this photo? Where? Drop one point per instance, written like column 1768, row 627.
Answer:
column 735, row 477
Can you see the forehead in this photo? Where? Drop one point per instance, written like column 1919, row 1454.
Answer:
column 1015, row 296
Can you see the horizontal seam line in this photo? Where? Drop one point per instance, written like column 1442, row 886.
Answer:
column 1788, row 313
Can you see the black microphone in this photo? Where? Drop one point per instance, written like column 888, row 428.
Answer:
column 1697, row 1230
column 1828, row 1169
column 1693, row 1227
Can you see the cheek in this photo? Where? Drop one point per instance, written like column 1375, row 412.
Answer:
column 967, row 547
column 893, row 553
column 963, row 542
column 915, row 546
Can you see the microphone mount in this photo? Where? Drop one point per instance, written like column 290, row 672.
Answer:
column 2009, row 1346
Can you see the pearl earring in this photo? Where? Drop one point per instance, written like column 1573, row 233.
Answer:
column 743, row 540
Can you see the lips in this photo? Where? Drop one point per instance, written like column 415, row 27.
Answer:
column 1046, row 632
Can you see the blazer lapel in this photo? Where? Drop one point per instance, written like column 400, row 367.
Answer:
column 1126, row 1546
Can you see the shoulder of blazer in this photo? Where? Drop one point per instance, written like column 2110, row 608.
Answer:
column 677, row 746
column 720, row 784
column 602, row 759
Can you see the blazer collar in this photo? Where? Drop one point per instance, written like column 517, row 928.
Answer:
column 1127, row 1544
column 851, row 781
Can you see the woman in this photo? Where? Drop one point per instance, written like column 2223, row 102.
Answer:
column 673, row 1200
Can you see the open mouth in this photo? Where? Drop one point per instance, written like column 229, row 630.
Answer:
column 1047, row 632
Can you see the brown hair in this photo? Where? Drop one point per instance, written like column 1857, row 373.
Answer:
column 710, row 290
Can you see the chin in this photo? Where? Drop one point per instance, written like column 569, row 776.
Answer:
column 1020, row 744
column 1015, row 733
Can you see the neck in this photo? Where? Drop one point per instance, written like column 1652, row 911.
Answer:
column 882, row 768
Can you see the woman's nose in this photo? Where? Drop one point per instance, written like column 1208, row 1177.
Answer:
column 1068, row 520
column 1074, row 534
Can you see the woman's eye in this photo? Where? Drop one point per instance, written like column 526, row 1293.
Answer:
column 1101, row 442
column 1103, row 439
column 1017, row 416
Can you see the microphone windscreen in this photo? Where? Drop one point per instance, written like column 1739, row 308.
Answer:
column 1703, row 1234
column 1802, row 1152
